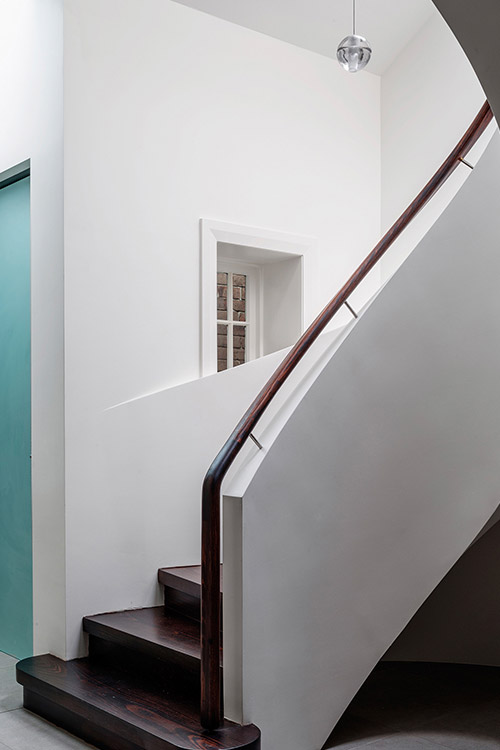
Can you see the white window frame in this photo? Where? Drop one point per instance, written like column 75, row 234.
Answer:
column 211, row 233
column 253, row 313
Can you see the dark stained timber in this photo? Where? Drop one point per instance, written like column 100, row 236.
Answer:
column 187, row 580
column 118, row 708
column 160, row 634
column 182, row 587
column 139, row 686
column 211, row 680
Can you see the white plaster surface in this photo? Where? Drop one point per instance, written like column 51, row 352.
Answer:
column 154, row 453
column 429, row 97
column 379, row 481
column 319, row 25
column 172, row 115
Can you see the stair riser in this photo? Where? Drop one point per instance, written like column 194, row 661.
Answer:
column 182, row 590
column 176, row 666
column 85, row 721
column 75, row 724
column 184, row 604
column 155, row 632
column 95, row 734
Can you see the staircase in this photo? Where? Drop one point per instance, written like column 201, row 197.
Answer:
column 139, row 686
column 390, row 511
column 360, row 506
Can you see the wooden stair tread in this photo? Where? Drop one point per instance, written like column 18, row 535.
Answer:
column 153, row 630
column 186, row 579
column 142, row 709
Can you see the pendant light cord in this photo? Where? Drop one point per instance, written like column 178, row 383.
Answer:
column 354, row 17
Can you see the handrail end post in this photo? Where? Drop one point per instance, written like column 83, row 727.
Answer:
column 212, row 709
column 209, row 720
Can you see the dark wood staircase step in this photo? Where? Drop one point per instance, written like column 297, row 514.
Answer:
column 186, row 580
column 182, row 588
column 154, row 631
column 120, row 709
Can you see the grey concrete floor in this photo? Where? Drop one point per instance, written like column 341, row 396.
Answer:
column 423, row 707
column 20, row 729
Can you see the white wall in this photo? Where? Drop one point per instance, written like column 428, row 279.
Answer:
column 381, row 478
column 31, row 128
column 282, row 288
column 430, row 95
column 172, row 115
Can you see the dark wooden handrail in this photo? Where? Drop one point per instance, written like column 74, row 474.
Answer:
column 211, row 677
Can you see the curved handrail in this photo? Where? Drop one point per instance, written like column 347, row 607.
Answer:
column 211, row 678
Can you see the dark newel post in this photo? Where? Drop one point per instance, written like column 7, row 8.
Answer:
column 211, row 679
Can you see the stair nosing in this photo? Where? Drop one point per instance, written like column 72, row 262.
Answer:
column 170, row 579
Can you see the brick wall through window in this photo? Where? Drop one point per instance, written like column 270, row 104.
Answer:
column 232, row 286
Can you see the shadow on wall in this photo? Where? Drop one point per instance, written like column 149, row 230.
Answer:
column 460, row 620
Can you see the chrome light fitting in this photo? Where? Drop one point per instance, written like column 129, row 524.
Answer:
column 354, row 51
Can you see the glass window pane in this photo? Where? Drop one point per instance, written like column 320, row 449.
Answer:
column 221, row 347
column 239, row 296
column 222, row 296
column 239, row 345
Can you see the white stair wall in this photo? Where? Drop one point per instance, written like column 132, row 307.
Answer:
column 379, row 481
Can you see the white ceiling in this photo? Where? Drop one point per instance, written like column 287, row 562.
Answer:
column 319, row 25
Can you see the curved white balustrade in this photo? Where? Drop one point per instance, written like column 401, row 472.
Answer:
column 382, row 476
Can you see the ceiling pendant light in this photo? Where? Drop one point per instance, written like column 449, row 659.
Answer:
column 354, row 51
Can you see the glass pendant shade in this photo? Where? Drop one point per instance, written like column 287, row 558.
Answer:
column 354, row 53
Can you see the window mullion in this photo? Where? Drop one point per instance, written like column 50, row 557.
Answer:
column 230, row 360
column 238, row 345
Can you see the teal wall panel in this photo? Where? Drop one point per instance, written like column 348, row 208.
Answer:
column 16, row 577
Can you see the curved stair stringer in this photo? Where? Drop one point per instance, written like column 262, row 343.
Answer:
column 378, row 482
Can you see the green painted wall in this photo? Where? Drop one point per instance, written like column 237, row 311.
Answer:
column 16, row 597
